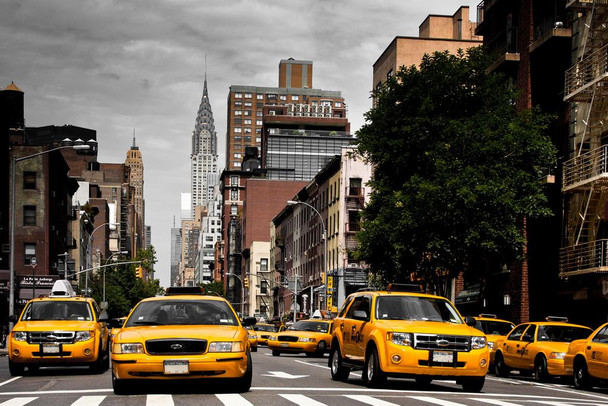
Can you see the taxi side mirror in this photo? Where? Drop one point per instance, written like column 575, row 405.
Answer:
column 13, row 318
column 470, row 321
column 249, row 321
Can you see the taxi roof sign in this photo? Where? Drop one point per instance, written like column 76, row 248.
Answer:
column 62, row 288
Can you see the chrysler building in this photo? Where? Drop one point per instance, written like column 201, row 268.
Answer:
column 204, row 158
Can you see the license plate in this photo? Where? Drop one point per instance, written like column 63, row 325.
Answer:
column 284, row 344
column 443, row 356
column 176, row 367
column 50, row 349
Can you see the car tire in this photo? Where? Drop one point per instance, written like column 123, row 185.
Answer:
column 423, row 380
column 33, row 369
column 338, row 371
column 101, row 364
column 372, row 375
column 500, row 368
column 580, row 375
column 254, row 349
column 243, row 384
column 473, row 384
column 540, row 369
column 15, row 369
column 321, row 347
column 119, row 385
column 276, row 353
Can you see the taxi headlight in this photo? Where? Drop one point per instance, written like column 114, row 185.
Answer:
column 273, row 338
column 128, row 348
column 253, row 336
column 82, row 336
column 306, row 340
column 405, row 339
column 557, row 355
column 477, row 343
column 226, row 346
column 19, row 336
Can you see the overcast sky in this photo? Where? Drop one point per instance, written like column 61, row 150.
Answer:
column 138, row 65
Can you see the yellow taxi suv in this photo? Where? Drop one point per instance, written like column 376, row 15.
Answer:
column 587, row 360
column 538, row 348
column 264, row 331
column 493, row 327
column 180, row 337
column 253, row 338
column 60, row 330
column 312, row 337
column 396, row 333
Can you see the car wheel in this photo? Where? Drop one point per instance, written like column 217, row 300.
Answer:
column 424, row 380
column 338, row 371
column 243, row 384
column 473, row 384
column 276, row 353
column 500, row 368
column 254, row 349
column 581, row 375
column 15, row 369
column 119, row 385
column 540, row 369
column 372, row 374
column 321, row 348
column 33, row 369
column 101, row 364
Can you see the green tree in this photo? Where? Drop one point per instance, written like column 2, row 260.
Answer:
column 215, row 287
column 456, row 169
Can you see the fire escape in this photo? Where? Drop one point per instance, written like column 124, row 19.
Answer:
column 585, row 175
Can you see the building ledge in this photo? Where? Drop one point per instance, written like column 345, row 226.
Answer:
column 554, row 33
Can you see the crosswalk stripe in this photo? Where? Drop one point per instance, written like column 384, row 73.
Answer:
column 159, row 400
column 18, row 401
column 436, row 401
column 496, row 402
column 302, row 400
column 89, row 401
column 547, row 402
column 369, row 400
column 233, row 399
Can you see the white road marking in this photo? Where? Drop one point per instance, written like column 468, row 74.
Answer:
column 436, row 401
column 302, row 400
column 159, row 400
column 17, row 401
column 89, row 401
column 232, row 399
column 368, row 400
column 10, row 380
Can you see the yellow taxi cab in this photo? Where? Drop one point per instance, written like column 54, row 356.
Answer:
column 182, row 336
column 264, row 331
column 253, row 338
column 312, row 337
column 587, row 359
column 402, row 333
column 537, row 347
column 60, row 330
column 493, row 327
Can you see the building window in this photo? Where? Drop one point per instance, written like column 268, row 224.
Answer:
column 238, row 121
column 29, row 215
column 338, row 104
column 238, row 104
column 29, row 180
column 238, row 155
column 233, row 210
column 258, row 122
column 247, row 130
column 238, row 95
column 263, row 288
column 283, row 97
column 247, row 121
column 238, row 130
column 234, row 195
column 247, row 104
column 264, row 265
column 248, row 95
column 237, row 164
column 238, row 113
column 260, row 97
column 247, row 112
column 234, row 181
column 389, row 74
column 29, row 252
column 295, row 97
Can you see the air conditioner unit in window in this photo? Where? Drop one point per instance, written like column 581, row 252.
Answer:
column 271, row 113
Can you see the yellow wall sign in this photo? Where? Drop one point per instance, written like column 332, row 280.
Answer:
column 330, row 282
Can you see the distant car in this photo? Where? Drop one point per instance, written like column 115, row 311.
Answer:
column 538, row 347
column 253, row 338
column 180, row 337
column 587, row 359
column 312, row 337
column 264, row 331
column 61, row 330
column 493, row 327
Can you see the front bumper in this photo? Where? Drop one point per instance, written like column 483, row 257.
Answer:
column 208, row 365
column 297, row 346
column 20, row 352
column 557, row 367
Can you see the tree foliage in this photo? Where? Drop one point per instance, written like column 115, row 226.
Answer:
column 123, row 289
column 456, row 169
column 215, row 287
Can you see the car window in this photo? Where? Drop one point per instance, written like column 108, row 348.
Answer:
column 172, row 312
column 416, row 308
column 271, row 329
column 562, row 334
column 529, row 335
column 314, row 326
column 517, row 332
column 345, row 306
column 601, row 336
column 499, row 328
column 360, row 304
column 58, row 310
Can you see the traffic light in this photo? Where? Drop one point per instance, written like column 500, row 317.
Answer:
column 138, row 272
column 246, row 282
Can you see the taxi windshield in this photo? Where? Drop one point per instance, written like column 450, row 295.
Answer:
column 271, row 329
column 182, row 312
column 396, row 307
column 58, row 310
column 499, row 328
column 315, row 326
column 562, row 334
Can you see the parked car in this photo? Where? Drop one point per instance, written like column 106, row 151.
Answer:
column 493, row 327
column 587, row 359
column 538, row 347
column 406, row 334
column 60, row 330
column 312, row 337
column 180, row 337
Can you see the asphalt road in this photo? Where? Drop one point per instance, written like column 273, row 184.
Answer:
column 282, row 381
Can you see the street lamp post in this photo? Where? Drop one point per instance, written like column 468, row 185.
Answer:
column 242, row 293
column 86, row 275
column 324, row 267
column 11, row 300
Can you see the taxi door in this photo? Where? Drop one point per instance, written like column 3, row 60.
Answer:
column 356, row 319
column 511, row 346
column 596, row 351
column 528, row 348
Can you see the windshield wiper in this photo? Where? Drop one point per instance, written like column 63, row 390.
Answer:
column 150, row 323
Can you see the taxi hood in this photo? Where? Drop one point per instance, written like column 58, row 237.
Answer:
column 207, row 332
column 55, row 325
column 428, row 327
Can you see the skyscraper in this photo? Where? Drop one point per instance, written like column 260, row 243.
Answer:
column 204, row 170
column 136, row 181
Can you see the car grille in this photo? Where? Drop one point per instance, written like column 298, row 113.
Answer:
column 176, row 346
column 47, row 337
column 442, row 342
column 291, row 339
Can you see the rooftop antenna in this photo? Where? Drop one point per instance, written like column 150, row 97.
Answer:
column 134, row 137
